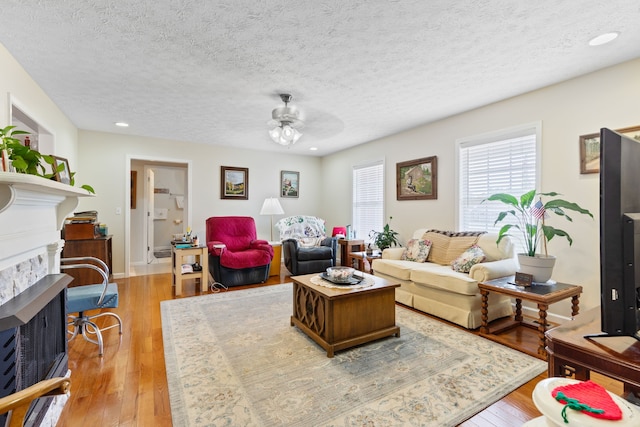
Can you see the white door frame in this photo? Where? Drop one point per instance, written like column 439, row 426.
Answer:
column 127, row 212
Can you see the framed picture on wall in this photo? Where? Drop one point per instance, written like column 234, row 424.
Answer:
column 417, row 179
column 61, row 171
column 134, row 188
column 234, row 183
column 290, row 184
column 590, row 148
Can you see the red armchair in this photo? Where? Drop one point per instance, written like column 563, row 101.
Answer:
column 236, row 256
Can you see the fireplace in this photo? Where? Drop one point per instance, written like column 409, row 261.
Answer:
column 33, row 342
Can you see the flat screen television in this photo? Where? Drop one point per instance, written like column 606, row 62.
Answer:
column 619, row 234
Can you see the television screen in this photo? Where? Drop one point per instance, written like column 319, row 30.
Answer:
column 619, row 234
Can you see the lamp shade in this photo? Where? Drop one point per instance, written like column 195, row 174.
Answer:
column 271, row 206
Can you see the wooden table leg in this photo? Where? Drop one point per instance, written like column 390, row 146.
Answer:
column 542, row 328
column 575, row 305
column 518, row 316
column 484, row 295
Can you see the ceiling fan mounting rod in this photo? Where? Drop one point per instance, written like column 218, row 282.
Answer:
column 286, row 98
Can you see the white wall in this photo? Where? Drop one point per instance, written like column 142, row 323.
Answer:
column 608, row 98
column 579, row 106
column 15, row 82
column 103, row 156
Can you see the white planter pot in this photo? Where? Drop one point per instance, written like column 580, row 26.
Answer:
column 540, row 266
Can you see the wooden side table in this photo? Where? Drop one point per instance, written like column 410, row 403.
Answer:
column 274, row 269
column 364, row 260
column 178, row 256
column 346, row 246
column 571, row 354
column 542, row 294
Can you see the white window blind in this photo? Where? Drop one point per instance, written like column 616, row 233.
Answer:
column 368, row 199
column 505, row 162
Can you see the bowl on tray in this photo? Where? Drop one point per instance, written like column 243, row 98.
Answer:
column 340, row 274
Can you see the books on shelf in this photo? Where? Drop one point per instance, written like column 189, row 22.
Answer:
column 86, row 217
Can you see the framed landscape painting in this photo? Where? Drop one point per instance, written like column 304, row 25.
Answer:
column 417, row 179
column 290, row 184
column 590, row 148
column 234, row 183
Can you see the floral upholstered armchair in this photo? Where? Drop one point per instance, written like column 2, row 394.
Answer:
column 305, row 244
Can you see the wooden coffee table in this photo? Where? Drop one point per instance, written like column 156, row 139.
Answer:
column 542, row 294
column 340, row 318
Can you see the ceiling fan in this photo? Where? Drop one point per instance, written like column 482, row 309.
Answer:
column 285, row 123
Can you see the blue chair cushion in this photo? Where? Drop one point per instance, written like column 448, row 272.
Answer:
column 83, row 298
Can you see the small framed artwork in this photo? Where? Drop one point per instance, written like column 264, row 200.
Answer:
column 234, row 183
column 590, row 148
column 61, row 171
column 417, row 179
column 290, row 184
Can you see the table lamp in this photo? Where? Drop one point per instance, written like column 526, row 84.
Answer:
column 271, row 206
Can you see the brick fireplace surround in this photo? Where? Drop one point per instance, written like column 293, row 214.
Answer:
column 32, row 290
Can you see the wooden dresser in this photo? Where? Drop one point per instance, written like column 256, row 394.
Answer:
column 100, row 247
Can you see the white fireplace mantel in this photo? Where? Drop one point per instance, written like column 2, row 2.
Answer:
column 32, row 213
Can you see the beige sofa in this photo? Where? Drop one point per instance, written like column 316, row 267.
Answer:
column 435, row 288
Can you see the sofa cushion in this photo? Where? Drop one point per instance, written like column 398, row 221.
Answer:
column 398, row 269
column 313, row 253
column 446, row 246
column 417, row 250
column 443, row 277
column 468, row 259
column 494, row 252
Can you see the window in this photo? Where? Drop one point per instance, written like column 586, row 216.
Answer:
column 501, row 162
column 368, row 199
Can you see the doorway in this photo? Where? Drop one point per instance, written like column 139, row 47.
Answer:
column 161, row 209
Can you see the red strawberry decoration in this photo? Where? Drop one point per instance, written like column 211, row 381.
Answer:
column 589, row 398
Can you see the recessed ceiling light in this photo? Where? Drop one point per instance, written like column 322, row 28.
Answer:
column 313, row 149
column 603, row 38
column 122, row 124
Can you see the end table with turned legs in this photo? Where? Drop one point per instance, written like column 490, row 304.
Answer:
column 543, row 294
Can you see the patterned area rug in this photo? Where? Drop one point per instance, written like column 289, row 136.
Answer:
column 234, row 360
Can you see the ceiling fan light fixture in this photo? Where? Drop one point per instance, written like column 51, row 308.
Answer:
column 285, row 122
column 285, row 135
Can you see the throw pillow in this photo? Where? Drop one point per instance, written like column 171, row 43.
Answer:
column 468, row 259
column 417, row 250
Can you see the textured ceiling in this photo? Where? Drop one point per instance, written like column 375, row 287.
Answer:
column 210, row 71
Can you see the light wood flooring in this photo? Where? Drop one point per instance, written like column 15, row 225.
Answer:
column 128, row 385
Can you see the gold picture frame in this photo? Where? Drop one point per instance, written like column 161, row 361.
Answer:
column 61, row 174
column 590, row 148
column 417, row 179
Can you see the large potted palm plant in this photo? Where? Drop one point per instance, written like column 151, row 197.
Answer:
column 527, row 215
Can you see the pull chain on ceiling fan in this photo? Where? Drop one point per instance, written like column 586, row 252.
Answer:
column 286, row 123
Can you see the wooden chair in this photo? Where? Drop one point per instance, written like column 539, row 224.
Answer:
column 18, row 402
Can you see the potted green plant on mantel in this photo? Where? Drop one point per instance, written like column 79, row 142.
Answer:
column 386, row 238
column 24, row 159
column 529, row 216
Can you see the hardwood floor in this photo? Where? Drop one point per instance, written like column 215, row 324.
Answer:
column 128, row 385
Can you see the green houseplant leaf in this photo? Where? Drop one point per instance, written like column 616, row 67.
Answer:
column 26, row 160
column 531, row 226
column 386, row 238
